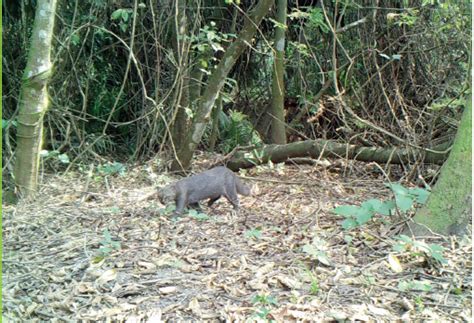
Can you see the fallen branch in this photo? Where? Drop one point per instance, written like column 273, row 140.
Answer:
column 326, row 148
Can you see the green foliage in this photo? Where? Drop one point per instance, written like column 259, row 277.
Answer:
column 369, row 280
column 236, row 130
column 408, row 18
column 359, row 215
column 112, row 169
column 420, row 248
column 265, row 302
column 314, row 288
column 208, row 41
column 404, row 200
column 198, row 216
column 122, row 17
column 314, row 17
column 107, row 245
column 278, row 24
column 254, row 233
column 170, row 208
column 54, row 154
column 405, row 285
column 447, row 102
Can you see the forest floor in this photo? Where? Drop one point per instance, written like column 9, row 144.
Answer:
column 285, row 257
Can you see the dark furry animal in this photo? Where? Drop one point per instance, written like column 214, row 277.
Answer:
column 211, row 184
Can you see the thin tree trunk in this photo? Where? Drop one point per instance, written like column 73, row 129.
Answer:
column 215, row 123
column 449, row 207
column 33, row 101
column 215, row 84
column 180, row 122
column 277, row 109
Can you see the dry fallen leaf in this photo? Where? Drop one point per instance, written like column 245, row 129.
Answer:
column 265, row 269
column 106, row 276
column 394, row 263
column 195, row 307
column 288, row 282
column 168, row 290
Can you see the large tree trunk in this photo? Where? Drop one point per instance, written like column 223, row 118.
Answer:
column 449, row 207
column 33, row 101
column 278, row 131
column 215, row 84
column 326, row 148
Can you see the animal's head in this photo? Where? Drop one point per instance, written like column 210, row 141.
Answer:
column 167, row 194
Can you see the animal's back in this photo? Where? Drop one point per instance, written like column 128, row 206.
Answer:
column 208, row 184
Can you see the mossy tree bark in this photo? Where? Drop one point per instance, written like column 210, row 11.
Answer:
column 33, row 101
column 215, row 84
column 277, row 109
column 449, row 206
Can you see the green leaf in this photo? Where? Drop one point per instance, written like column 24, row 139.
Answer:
column 348, row 238
column 404, row 285
column 372, row 204
column 421, row 194
column 123, row 26
column 348, row 224
column 437, row 253
column 405, row 238
column 105, row 250
column 347, row 210
column 386, row 208
column 125, row 15
column 198, row 215
column 272, row 300
column 424, row 286
column 399, row 247
column 404, row 203
column 397, row 188
column 75, row 39
column 63, row 158
column 97, row 259
column 254, row 233
column 365, row 217
column 117, row 14
column 107, row 235
column 277, row 24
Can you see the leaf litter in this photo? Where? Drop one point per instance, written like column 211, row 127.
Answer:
column 103, row 250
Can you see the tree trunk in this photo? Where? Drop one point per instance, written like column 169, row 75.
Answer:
column 181, row 46
column 449, row 207
column 215, row 123
column 277, row 109
column 215, row 84
column 33, row 101
column 326, row 148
